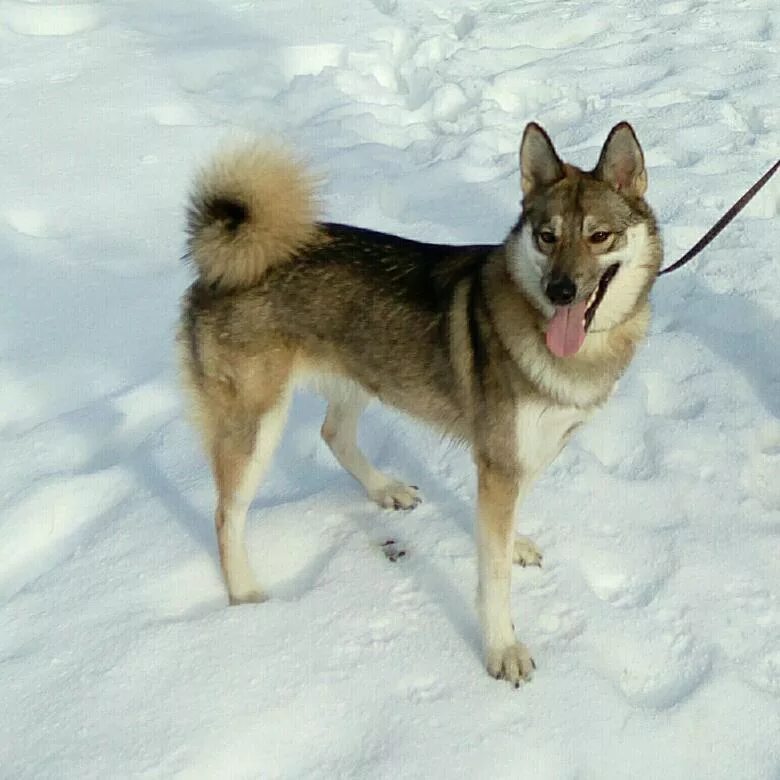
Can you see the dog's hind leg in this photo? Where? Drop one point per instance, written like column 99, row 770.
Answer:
column 242, row 447
column 345, row 405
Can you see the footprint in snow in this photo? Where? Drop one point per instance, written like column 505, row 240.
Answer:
column 674, row 8
column 763, row 466
column 178, row 115
column 766, row 673
column 387, row 7
column 464, row 26
column 30, row 222
column 654, row 659
column 750, row 635
column 561, row 620
column 52, row 519
column 25, row 18
column 624, row 578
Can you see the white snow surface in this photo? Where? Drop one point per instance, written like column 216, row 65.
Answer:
column 655, row 622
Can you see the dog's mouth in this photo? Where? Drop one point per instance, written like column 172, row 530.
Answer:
column 569, row 324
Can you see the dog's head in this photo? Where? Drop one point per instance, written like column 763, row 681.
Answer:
column 585, row 251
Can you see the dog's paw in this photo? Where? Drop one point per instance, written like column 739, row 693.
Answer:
column 526, row 553
column 392, row 550
column 248, row 597
column 513, row 664
column 396, row 495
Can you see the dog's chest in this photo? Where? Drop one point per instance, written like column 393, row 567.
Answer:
column 541, row 431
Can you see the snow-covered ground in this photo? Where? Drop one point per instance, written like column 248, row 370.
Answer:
column 655, row 622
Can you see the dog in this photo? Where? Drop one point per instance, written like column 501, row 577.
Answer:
column 508, row 348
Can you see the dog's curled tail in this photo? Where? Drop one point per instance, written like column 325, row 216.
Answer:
column 251, row 208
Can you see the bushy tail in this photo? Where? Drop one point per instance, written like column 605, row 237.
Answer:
column 250, row 209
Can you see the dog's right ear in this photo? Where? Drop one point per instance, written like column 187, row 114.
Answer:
column 540, row 165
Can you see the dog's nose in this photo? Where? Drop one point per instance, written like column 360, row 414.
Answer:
column 561, row 290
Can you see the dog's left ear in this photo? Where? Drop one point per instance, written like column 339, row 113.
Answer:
column 622, row 163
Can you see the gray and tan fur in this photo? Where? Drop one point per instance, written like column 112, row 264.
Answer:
column 466, row 338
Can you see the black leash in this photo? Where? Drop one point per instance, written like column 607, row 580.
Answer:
column 722, row 222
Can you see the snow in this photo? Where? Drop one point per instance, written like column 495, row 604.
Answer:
column 655, row 622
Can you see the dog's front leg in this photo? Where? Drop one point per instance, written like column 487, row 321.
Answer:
column 506, row 658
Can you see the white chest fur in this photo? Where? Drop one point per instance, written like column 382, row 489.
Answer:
column 542, row 430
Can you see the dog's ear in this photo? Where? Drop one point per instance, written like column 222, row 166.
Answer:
column 540, row 166
column 622, row 163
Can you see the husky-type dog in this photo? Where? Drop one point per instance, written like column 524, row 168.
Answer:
column 508, row 347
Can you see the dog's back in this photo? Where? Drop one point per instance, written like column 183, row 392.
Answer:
column 337, row 299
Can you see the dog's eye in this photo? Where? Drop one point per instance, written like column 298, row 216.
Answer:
column 599, row 237
column 547, row 237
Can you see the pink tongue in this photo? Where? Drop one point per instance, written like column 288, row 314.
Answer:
column 566, row 330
